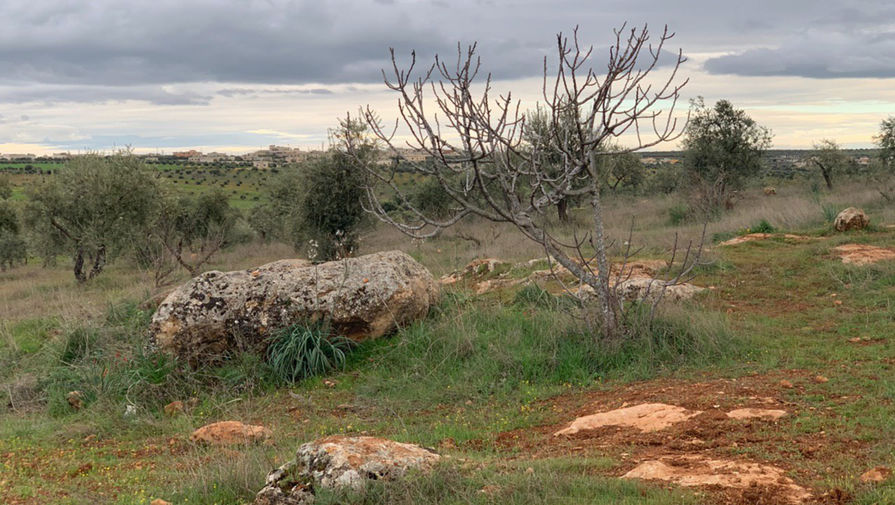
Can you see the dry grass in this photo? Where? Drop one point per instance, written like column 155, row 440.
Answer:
column 33, row 291
column 794, row 207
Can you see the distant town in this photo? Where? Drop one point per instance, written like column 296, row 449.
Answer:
column 776, row 160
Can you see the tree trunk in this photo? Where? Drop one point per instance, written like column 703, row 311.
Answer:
column 606, row 296
column 826, row 174
column 99, row 262
column 562, row 210
column 80, row 276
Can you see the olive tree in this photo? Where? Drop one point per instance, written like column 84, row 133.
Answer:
column 487, row 166
column 331, row 211
column 830, row 160
column 886, row 141
column 722, row 147
column 12, row 247
column 93, row 209
column 186, row 232
column 317, row 206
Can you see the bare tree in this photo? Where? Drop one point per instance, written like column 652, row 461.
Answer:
column 489, row 164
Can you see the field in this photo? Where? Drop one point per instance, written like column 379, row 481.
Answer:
column 486, row 379
column 243, row 185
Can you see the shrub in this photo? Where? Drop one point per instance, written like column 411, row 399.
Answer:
column 301, row 351
column 678, row 214
column 763, row 226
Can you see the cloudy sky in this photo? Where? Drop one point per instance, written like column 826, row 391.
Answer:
column 235, row 75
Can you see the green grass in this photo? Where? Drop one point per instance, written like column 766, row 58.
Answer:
column 554, row 481
column 475, row 368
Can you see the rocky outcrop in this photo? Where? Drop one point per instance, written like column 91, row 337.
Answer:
column 647, row 289
column 362, row 298
column 644, row 288
column 851, row 219
column 230, row 433
column 341, row 462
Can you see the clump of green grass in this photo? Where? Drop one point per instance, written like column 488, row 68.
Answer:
column 77, row 344
column 305, row 350
column 829, row 211
column 533, row 295
column 763, row 226
column 485, row 349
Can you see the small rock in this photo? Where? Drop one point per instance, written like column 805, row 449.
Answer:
column 230, row 433
column 341, row 462
column 878, row 474
column 786, row 384
column 490, row 490
column 855, row 340
column 174, row 408
column 851, row 219
column 74, row 399
column 770, row 191
column 750, row 413
column 820, row 379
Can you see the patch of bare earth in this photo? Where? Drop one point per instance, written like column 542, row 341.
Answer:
column 756, row 480
column 751, row 237
column 862, row 254
column 645, row 417
column 700, row 431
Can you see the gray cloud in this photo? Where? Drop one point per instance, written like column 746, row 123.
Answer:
column 138, row 43
column 57, row 51
column 231, row 92
column 56, row 94
column 837, row 43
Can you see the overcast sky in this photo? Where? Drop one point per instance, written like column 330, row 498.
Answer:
column 235, row 75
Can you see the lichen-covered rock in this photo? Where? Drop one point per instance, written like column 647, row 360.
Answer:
column 646, row 288
column 285, row 486
column 362, row 298
column 341, row 462
column 851, row 219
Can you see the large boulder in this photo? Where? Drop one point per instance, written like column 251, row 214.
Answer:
column 362, row 298
column 851, row 219
column 341, row 462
